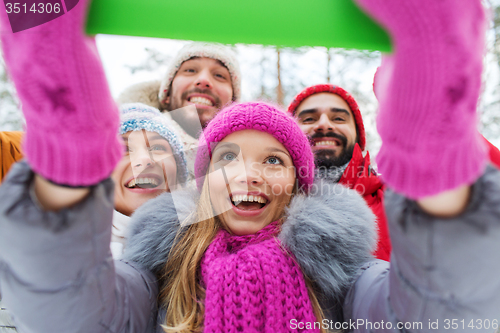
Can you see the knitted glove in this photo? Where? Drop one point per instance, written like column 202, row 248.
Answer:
column 71, row 118
column 428, row 91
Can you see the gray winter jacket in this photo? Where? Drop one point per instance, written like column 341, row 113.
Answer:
column 6, row 324
column 57, row 275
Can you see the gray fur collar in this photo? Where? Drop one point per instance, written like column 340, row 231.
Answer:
column 331, row 232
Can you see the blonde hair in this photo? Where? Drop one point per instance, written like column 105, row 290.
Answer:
column 181, row 292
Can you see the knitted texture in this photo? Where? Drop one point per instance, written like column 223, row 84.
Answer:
column 253, row 285
column 262, row 117
column 330, row 88
column 428, row 91
column 204, row 50
column 138, row 116
column 71, row 118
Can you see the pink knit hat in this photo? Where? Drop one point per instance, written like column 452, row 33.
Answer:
column 320, row 88
column 262, row 117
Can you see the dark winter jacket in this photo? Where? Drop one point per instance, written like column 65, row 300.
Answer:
column 56, row 272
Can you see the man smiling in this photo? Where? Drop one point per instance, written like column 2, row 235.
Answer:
column 331, row 118
column 328, row 120
column 204, row 75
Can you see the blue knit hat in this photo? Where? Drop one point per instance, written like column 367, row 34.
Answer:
column 138, row 116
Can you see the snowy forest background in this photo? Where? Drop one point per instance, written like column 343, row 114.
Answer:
column 273, row 74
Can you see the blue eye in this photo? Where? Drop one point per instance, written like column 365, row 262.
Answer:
column 157, row 148
column 228, row 157
column 274, row 160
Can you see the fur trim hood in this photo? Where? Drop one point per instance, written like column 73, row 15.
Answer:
column 331, row 232
column 144, row 92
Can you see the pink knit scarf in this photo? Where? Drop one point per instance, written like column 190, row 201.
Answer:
column 253, row 285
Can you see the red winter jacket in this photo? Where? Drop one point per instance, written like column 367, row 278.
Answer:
column 360, row 177
column 494, row 154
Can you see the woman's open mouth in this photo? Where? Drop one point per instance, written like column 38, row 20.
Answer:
column 144, row 183
column 248, row 204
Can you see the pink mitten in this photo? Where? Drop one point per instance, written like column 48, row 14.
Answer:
column 71, row 118
column 428, row 91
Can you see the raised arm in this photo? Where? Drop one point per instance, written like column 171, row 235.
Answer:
column 71, row 118
column 56, row 270
column 443, row 202
column 428, row 90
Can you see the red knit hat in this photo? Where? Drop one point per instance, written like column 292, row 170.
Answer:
column 320, row 88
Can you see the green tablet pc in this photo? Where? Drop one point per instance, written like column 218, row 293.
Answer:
column 288, row 23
